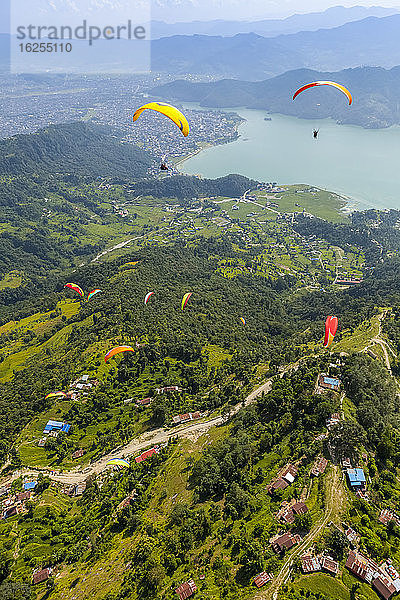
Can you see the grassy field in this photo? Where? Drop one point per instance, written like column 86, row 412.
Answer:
column 332, row 588
column 321, row 203
column 11, row 280
column 335, row 589
column 360, row 338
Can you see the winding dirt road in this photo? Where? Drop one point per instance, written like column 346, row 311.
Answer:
column 335, row 497
column 151, row 438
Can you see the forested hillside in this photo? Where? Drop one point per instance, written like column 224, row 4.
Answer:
column 200, row 508
column 221, row 448
column 187, row 188
column 72, row 149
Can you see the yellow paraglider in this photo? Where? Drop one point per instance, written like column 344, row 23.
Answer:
column 55, row 395
column 117, row 462
column 169, row 111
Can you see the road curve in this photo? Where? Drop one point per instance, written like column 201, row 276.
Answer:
column 150, row 438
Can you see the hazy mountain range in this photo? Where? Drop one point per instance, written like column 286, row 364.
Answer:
column 333, row 17
column 376, row 93
column 372, row 41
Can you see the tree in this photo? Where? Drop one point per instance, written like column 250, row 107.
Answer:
column 15, row 590
column 346, row 437
column 303, row 522
column 337, row 543
column 236, row 502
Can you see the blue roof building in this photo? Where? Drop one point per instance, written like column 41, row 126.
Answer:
column 356, row 478
column 332, row 382
column 30, row 485
column 56, row 425
column 329, row 383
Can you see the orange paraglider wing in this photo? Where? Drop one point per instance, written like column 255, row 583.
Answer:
column 338, row 86
column 118, row 350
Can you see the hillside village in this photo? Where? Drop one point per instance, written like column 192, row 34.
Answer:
column 292, row 517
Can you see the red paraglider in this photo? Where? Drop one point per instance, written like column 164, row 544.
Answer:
column 331, row 326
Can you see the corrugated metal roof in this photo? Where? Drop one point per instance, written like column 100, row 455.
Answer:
column 331, row 381
column 30, row 485
column 356, row 476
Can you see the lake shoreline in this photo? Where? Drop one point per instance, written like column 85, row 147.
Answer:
column 348, row 160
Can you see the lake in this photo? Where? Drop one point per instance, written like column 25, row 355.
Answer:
column 361, row 164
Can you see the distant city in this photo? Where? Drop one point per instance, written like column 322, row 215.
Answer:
column 29, row 103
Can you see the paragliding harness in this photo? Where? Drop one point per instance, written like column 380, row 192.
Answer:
column 163, row 167
column 315, row 133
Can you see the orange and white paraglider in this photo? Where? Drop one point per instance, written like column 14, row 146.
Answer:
column 331, row 325
column 148, row 296
column 118, row 350
column 338, row 86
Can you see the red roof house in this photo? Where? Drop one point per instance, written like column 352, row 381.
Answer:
column 330, row 565
column 186, row 590
column 42, row 575
column 383, row 587
column 285, row 542
column 262, row 578
column 78, row 453
column 145, row 455
column 22, row 496
column 310, row 564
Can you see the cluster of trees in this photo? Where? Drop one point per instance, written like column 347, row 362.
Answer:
column 374, row 393
column 186, row 188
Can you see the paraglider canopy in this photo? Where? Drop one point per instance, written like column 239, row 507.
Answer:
column 186, row 299
column 169, row 111
column 338, row 86
column 93, row 293
column 117, row 462
column 331, row 325
column 75, row 288
column 55, row 395
column 118, row 350
column 148, row 296
column 243, row 320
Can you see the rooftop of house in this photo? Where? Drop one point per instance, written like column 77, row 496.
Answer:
column 262, row 578
column 186, row 590
column 356, row 476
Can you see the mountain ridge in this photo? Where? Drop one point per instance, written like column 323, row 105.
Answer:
column 371, row 41
column 375, row 91
column 332, row 17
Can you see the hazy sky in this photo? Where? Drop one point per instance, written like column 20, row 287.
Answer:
column 250, row 9
column 288, row 7
column 180, row 10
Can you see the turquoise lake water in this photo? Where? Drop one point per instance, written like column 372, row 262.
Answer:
column 362, row 164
